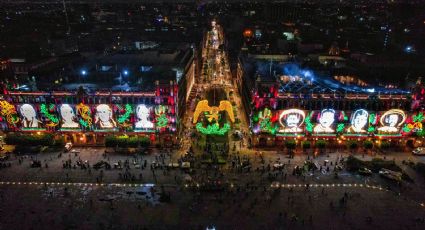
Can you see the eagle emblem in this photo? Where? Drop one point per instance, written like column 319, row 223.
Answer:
column 203, row 106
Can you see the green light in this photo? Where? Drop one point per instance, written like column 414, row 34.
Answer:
column 83, row 123
column 371, row 129
column 372, row 118
column 54, row 119
column 421, row 133
column 162, row 121
column 340, row 128
column 126, row 115
column 418, row 118
column 406, row 128
column 161, row 117
column 372, row 122
column 213, row 129
column 308, row 124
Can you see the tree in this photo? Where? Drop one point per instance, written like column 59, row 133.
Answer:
column 368, row 145
column 110, row 141
column 29, row 140
column 290, row 145
column 306, row 145
column 384, row 145
column 320, row 144
column 352, row 145
column 144, row 141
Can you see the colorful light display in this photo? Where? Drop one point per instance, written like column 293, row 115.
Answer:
column 359, row 121
column 103, row 118
column 161, row 116
column 29, row 119
column 213, row 129
column 291, row 120
column 392, row 120
column 85, row 114
column 372, row 123
column 326, row 119
column 69, row 119
column 142, row 114
column 212, row 115
column 47, row 112
column 124, row 119
column 414, row 124
column 9, row 112
column 213, row 111
column 308, row 124
column 265, row 121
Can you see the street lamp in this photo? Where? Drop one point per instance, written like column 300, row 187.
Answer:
column 125, row 72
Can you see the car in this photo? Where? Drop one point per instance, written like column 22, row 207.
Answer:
column 173, row 165
column 389, row 174
column 68, row 146
column 102, row 164
column 365, row 172
column 185, row 165
column 275, row 184
column 75, row 151
column 35, row 164
column 419, row 151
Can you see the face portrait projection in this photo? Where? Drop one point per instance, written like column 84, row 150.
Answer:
column 291, row 121
column 392, row 120
column 68, row 117
column 359, row 120
column 326, row 119
column 29, row 116
column 142, row 115
column 103, row 118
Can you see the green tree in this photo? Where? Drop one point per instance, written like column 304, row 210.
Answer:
column 290, row 145
column 321, row 144
column 352, row 145
column 144, row 141
column 368, row 144
column 384, row 145
column 306, row 145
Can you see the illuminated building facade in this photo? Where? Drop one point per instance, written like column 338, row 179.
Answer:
column 284, row 101
column 89, row 118
column 122, row 94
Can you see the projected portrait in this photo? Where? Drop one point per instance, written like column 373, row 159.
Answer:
column 68, row 117
column 326, row 119
column 29, row 116
column 103, row 118
column 291, row 120
column 392, row 120
column 142, row 115
column 359, row 121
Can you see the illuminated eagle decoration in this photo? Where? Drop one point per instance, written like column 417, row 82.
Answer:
column 203, row 106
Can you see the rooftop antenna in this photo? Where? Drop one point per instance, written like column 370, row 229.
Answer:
column 66, row 17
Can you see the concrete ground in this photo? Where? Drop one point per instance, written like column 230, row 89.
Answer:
column 247, row 202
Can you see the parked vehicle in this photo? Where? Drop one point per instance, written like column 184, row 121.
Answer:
column 68, row 146
column 420, row 151
column 365, row 172
column 35, row 164
column 389, row 174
